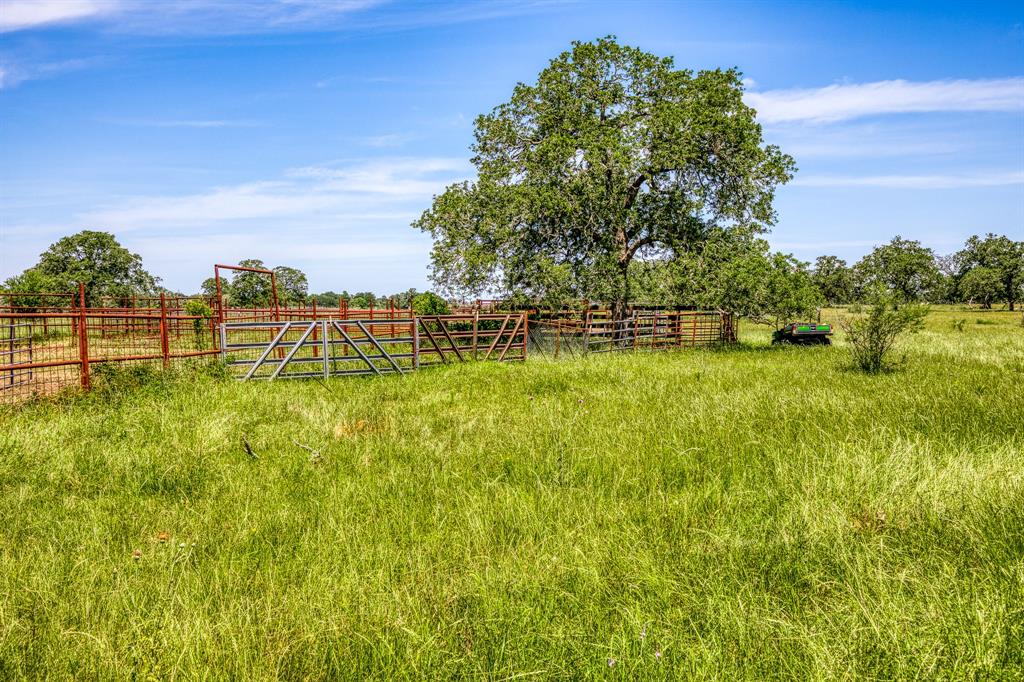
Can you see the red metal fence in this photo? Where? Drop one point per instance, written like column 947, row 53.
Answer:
column 642, row 330
column 50, row 342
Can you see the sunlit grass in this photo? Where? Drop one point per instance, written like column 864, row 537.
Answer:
column 752, row 512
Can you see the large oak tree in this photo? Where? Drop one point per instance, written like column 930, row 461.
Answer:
column 612, row 155
column 1003, row 261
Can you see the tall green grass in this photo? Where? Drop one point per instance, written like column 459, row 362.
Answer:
column 745, row 513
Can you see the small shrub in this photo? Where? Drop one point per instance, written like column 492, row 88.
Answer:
column 202, row 312
column 111, row 380
column 429, row 303
column 873, row 336
column 958, row 325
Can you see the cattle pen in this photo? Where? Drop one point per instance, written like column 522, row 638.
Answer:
column 53, row 342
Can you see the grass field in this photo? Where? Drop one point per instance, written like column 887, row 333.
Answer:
column 749, row 513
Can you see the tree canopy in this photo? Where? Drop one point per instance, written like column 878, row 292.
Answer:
column 1002, row 260
column 292, row 285
column 738, row 273
column 833, row 279
column 902, row 268
column 253, row 289
column 613, row 154
column 93, row 258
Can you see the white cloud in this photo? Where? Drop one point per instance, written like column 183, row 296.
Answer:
column 17, row 15
column 847, row 101
column 384, row 189
column 388, row 140
column 184, row 123
column 913, row 181
column 12, row 74
column 238, row 17
column 905, row 138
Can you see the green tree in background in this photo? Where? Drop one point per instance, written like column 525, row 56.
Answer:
column 31, row 282
column 1001, row 257
column 833, row 279
column 612, row 154
column 292, row 286
column 902, row 268
column 981, row 285
column 255, row 290
column 92, row 258
column 249, row 289
column 429, row 303
column 209, row 286
column 328, row 299
column 738, row 273
column 362, row 300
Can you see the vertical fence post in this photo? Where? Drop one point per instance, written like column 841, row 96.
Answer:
column 83, row 338
column 316, row 333
column 476, row 333
column 327, row 349
column 526, row 333
column 415, row 343
column 165, row 348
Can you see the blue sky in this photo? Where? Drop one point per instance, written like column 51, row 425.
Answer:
column 311, row 133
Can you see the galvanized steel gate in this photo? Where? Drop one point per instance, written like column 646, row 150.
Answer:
column 319, row 348
column 335, row 347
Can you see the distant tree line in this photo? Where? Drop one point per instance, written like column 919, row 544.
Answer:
column 989, row 270
column 113, row 275
column 728, row 270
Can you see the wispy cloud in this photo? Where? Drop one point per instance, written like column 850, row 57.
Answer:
column 389, row 140
column 17, row 15
column 184, row 123
column 208, row 17
column 234, row 17
column 392, row 190
column 847, row 101
column 12, row 74
column 914, row 181
column 905, row 138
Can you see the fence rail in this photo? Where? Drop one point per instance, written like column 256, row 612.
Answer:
column 50, row 343
column 644, row 330
column 306, row 348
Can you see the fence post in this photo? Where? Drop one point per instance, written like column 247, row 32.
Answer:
column 165, row 348
column 316, row 334
column 327, row 349
column 586, row 331
column 476, row 332
column 83, row 338
column 526, row 333
column 415, row 343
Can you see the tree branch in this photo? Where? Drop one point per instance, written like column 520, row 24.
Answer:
column 634, row 190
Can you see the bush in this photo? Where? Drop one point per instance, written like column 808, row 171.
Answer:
column 873, row 336
column 429, row 303
column 111, row 380
column 202, row 312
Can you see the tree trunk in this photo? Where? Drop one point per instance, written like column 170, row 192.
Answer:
column 621, row 303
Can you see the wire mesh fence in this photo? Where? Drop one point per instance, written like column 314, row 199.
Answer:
column 566, row 336
column 53, row 342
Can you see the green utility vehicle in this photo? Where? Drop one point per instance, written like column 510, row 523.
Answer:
column 804, row 333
